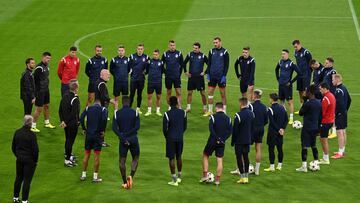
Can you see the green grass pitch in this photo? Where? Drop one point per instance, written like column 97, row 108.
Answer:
column 29, row 27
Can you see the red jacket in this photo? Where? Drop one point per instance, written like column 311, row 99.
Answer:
column 68, row 68
column 328, row 108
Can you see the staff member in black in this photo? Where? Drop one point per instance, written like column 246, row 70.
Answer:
column 27, row 86
column 69, row 116
column 25, row 148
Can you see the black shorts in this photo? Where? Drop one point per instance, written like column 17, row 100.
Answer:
column 274, row 139
column 257, row 135
column 341, row 121
column 210, row 148
column 216, row 82
column 154, row 87
column 171, row 82
column 27, row 106
column 244, row 84
column 93, row 142
column 324, row 129
column 91, row 87
column 42, row 98
column 308, row 137
column 285, row 92
column 302, row 83
column 241, row 149
column 120, row 87
column 196, row 83
column 174, row 149
column 134, row 148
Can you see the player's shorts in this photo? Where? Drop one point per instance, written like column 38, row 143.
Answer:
column 324, row 129
column 93, row 143
column 134, row 148
column 341, row 121
column 308, row 137
column 196, row 83
column 274, row 139
column 211, row 148
column 172, row 82
column 241, row 149
column 257, row 135
column 120, row 87
column 285, row 92
column 154, row 87
column 216, row 82
column 302, row 83
column 174, row 149
column 91, row 87
column 244, row 84
column 42, row 98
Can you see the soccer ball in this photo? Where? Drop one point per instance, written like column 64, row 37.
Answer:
column 211, row 177
column 297, row 125
column 314, row 166
column 251, row 169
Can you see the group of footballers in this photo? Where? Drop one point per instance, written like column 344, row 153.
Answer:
column 324, row 104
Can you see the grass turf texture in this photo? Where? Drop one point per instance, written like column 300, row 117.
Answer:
column 27, row 28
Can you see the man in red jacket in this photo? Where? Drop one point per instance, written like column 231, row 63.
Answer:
column 328, row 117
column 68, row 69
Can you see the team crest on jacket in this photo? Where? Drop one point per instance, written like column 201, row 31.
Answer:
column 143, row 59
column 199, row 57
column 125, row 62
column 102, row 62
column 176, row 55
column 248, row 62
column 287, row 65
column 221, row 54
column 159, row 63
column 301, row 55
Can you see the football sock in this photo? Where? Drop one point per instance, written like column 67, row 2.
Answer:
column 210, row 108
column 188, row 106
column 124, row 179
column 341, row 151
column 33, row 125
column 173, row 176
column 157, row 109
column 204, row 107
column 47, row 121
column 149, row 109
column 132, row 173
column 179, row 174
column 225, row 108
column 326, row 157
column 95, row 175
column 279, row 164
column 83, row 174
column 291, row 116
column 257, row 166
column 304, row 164
column 304, row 154
column 272, row 166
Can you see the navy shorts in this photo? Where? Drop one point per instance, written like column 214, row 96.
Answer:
column 324, row 129
column 274, row 139
column 42, row 98
column 257, row 135
column 157, row 87
column 244, row 84
column 174, row 149
column 216, row 82
column 134, row 148
column 302, row 83
column 91, row 87
column 211, row 148
column 171, row 82
column 120, row 87
column 93, row 142
column 341, row 121
column 308, row 137
column 285, row 92
column 196, row 83
column 241, row 149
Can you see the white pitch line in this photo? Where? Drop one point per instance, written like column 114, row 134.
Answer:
column 356, row 22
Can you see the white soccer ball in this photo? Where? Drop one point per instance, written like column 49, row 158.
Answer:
column 314, row 166
column 211, row 177
column 297, row 124
column 251, row 169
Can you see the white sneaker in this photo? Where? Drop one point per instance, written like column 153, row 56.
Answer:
column 325, row 162
column 302, row 169
column 235, row 172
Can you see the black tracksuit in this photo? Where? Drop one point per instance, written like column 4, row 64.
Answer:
column 25, row 148
column 27, row 90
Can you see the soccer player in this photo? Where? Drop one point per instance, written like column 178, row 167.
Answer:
column 303, row 58
column 27, row 86
column 93, row 69
column 196, row 73
column 174, row 126
column 96, row 117
column 220, row 130
column 246, row 74
column 26, row 150
column 277, row 124
column 328, row 117
column 284, row 71
column 69, row 116
column 328, row 71
column 68, row 69
column 120, row 68
column 241, row 138
column 138, row 63
column 154, row 70
column 218, row 66
column 42, row 93
column 173, row 61
column 126, row 123
column 343, row 102
column 311, row 111
column 318, row 70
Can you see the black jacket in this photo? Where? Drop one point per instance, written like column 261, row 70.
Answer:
column 27, row 85
column 102, row 93
column 41, row 77
column 24, row 145
column 69, row 109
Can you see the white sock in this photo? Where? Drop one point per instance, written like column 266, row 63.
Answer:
column 333, row 129
column 204, row 107
column 157, row 109
column 304, row 164
column 47, row 121
column 344, row 149
column 95, row 175
column 280, row 165
column 257, row 166
column 188, row 106
column 16, row 198
column 83, row 174
column 33, row 125
column 272, row 166
column 24, row 201
column 291, row 116
column 225, row 108
column 149, row 109
column 326, row 157
column 210, row 107
column 341, row 151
